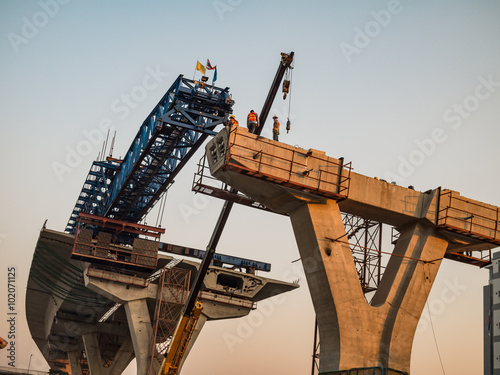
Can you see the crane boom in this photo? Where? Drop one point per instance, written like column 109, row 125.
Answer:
column 285, row 63
column 192, row 308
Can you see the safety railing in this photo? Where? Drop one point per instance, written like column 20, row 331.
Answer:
column 101, row 240
column 468, row 217
column 327, row 176
column 204, row 183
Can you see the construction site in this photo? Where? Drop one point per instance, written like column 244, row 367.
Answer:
column 108, row 290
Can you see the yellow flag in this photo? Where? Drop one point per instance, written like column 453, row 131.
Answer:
column 200, row 67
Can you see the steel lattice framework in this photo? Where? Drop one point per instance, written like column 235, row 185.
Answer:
column 127, row 189
column 174, row 281
column 365, row 239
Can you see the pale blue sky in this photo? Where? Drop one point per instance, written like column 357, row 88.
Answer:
column 374, row 107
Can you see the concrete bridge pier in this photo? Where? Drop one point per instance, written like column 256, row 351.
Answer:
column 313, row 189
column 354, row 333
column 135, row 302
column 141, row 330
column 74, row 362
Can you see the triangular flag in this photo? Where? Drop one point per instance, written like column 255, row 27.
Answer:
column 209, row 66
column 215, row 74
column 200, row 67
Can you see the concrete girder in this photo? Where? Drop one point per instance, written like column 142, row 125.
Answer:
column 269, row 172
column 119, row 292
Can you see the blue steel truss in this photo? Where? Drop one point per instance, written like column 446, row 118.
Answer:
column 127, row 189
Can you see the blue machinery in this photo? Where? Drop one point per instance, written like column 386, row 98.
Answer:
column 127, row 189
column 178, row 125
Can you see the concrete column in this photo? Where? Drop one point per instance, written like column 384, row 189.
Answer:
column 74, row 362
column 122, row 358
column 94, row 359
column 141, row 331
column 353, row 333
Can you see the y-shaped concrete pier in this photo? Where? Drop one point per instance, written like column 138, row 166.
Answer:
column 313, row 189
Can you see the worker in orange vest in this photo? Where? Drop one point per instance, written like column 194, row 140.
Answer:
column 252, row 121
column 276, row 128
column 233, row 121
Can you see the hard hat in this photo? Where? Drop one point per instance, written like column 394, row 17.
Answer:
column 232, row 116
column 275, row 116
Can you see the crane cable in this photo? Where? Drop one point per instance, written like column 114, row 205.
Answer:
column 288, row 123
column 432, row 328
column 163, row 203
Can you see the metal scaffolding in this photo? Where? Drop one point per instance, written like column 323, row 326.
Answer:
column 173, row 289
column 365, row 239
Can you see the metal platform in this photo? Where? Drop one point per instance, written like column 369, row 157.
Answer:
column 100, row 240
column 204, row 183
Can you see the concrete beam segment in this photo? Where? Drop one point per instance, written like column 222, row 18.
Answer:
column 119, row 292
column 245, row 286
column 238, row 157
column 141, row 331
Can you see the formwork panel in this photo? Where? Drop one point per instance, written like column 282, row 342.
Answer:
column 469, row 216
column 309, row 170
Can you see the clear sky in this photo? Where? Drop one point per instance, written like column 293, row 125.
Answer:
column 406, row 90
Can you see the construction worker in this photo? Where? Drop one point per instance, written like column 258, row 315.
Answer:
column 276, row 128
column 252, row 121
column 233, row 121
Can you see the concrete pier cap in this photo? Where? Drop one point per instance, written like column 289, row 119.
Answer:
column 313, row 189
